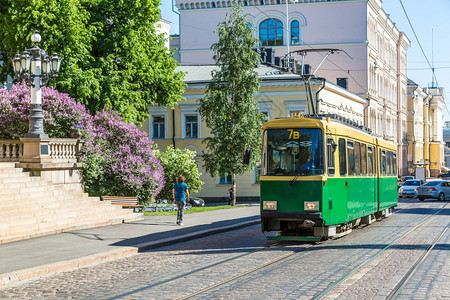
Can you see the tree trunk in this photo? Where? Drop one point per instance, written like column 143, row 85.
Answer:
column 233, row 186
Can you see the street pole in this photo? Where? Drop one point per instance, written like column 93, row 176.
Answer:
column 42, row 68
column 36, row 119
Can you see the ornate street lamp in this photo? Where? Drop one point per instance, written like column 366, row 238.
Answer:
column 42, row 69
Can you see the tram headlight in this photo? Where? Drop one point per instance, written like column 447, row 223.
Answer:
column 269, row 205
column 311, row 206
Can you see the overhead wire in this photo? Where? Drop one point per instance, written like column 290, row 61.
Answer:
column 421, row 48
column 418, row 41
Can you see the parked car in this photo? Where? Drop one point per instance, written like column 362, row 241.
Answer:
column 402, row 180
column 437, row 189
column 409, row 188
column 445, row 175
column 194, row 201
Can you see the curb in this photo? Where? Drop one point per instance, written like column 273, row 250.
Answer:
column 25, row 274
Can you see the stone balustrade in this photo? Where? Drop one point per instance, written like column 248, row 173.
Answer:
column 60, row 150
column 64, row 150
column 10, row 150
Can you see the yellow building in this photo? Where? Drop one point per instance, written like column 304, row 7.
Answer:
column 425, row 129
column 280, row 95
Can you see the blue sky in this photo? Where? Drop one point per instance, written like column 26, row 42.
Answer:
column 431, row 22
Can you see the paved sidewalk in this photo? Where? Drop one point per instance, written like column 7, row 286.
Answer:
column 68, row 250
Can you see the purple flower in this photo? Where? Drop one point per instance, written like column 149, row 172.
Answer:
column 117, row 157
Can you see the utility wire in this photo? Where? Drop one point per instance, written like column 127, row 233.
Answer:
column 421, row 48
column 418, row 42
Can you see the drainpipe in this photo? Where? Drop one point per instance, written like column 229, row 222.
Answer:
column 173, row 127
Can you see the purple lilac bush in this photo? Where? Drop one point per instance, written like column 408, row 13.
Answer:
column 117, row 157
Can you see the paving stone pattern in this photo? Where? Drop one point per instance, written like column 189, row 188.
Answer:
column 179, row 270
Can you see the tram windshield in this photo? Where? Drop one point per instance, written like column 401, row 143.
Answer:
column 293, row 152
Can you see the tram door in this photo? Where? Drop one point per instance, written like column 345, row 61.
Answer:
column 342, row 191
column 372, row 171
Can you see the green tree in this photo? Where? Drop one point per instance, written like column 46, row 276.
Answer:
column 228, row 109
column 178, row 162
column 65, row 29
column 112, row 54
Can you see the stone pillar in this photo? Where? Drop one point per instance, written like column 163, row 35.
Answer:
column 35, row 150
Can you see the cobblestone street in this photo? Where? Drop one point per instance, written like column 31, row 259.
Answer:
column 366, row 264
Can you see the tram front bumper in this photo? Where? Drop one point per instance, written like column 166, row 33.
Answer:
column 291, row 215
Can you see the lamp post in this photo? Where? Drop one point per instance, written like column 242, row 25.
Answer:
column 36, row 67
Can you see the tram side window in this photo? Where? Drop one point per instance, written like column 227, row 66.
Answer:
column 342, row 158
column 383, row 162
column 330, row 155
column 394, row 161
column 388, row 163
column 357, row 158
column 391, row 166
column 351, row 157
column 363, row 159
column 370, row 160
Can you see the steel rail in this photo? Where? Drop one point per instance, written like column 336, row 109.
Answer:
column 294, row 252
column 202, row 269
column 401, row 283
column 343, row 278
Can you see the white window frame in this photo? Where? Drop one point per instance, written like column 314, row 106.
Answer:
column 295, row 107
column 190, row 112
column 265, row 108
column 153, row 114
column 225, row 181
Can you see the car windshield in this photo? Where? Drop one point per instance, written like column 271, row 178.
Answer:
column 433, row 183
column 293, row 152
column 412, row 182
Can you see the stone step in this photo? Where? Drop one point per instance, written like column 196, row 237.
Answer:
column 17, row 210
column 39, row 199
column 31, row 206
column 45, row 228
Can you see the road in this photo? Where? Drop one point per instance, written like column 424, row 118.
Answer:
column 405, row 256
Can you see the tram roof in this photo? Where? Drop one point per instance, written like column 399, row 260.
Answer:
column 343, row 126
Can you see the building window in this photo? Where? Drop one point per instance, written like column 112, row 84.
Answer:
column 295, row 33
column 296, row 113
column 342, row 82
column 225, row 179
column 157, row 124
column 191, row 127
column 158, row 127
column 296, row 110
column 271, row 32
column 190, row 124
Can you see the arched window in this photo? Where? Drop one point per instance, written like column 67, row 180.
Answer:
column 271, row 32
column 295, row 33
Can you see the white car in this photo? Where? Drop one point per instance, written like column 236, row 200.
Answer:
column 409, row 188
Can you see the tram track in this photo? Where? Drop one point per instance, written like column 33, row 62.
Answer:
column 397, row 288
column 302, row 249
column 213, row 265
column 395, row 292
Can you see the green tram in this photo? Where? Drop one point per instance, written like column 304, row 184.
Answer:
column 321, row 176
